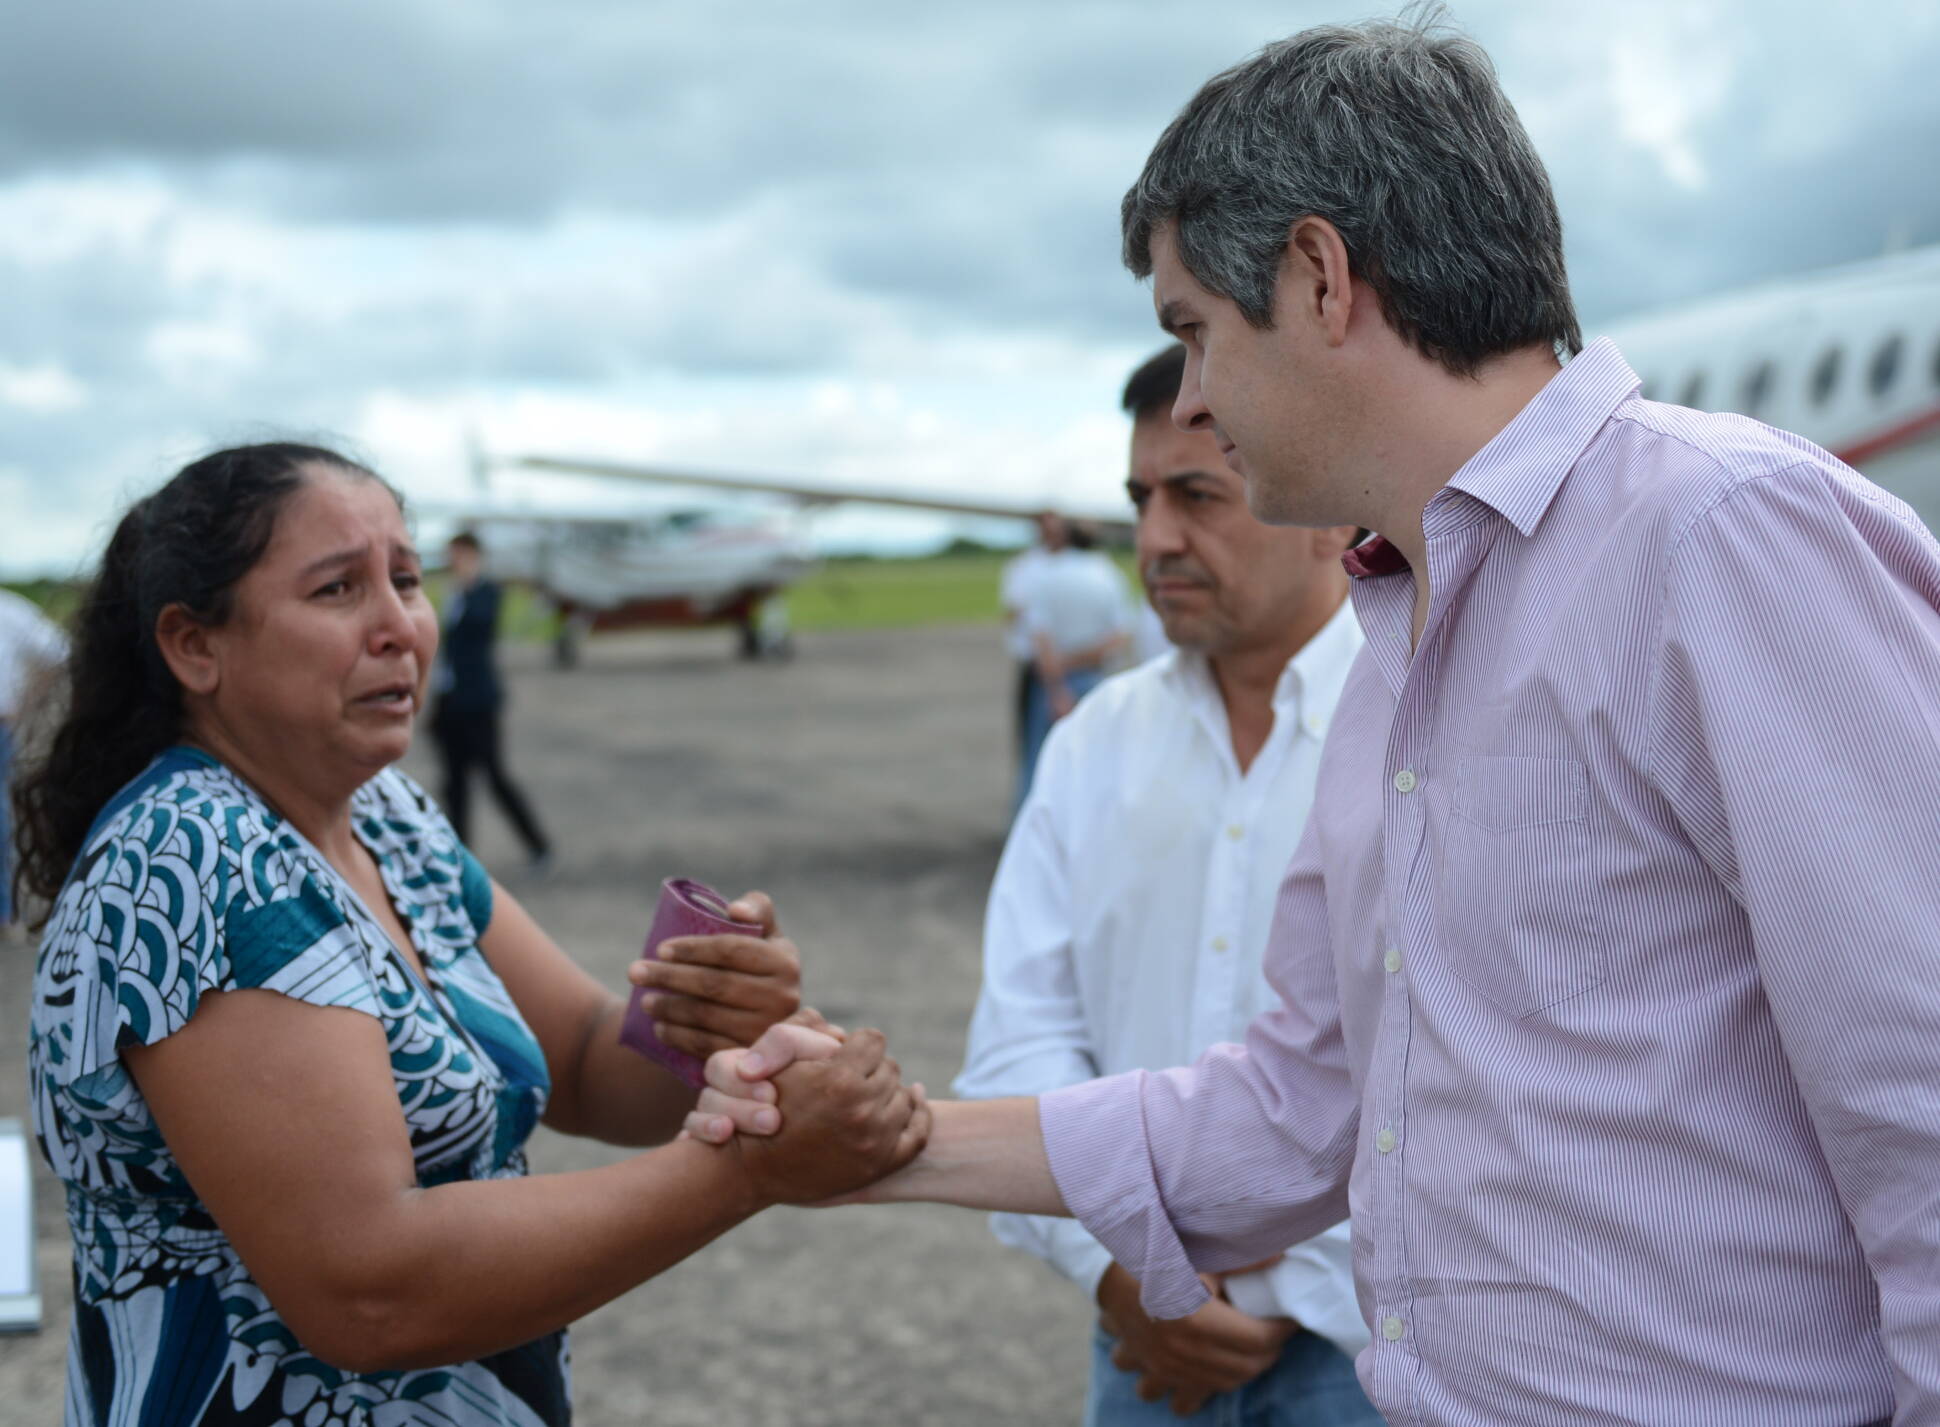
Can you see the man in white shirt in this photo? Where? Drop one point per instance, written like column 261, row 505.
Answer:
column 1078, row 617
column 1014, row 587
column 1130, row 912
column 31, row 646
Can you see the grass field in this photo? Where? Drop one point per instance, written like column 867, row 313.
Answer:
column 842, row 594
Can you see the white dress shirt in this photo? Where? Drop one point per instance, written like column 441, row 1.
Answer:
column 1014, row 589
column 1077, row 599
column 1129, row 917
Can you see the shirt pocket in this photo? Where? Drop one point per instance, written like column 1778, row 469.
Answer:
column 1516, row 921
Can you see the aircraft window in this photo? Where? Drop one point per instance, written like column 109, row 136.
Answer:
column 1758, row 386
column 1886, row 365
column 1693, row 394
column 1825, row 374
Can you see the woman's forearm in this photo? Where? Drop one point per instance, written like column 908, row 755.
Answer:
column 618, row 1095
column 485, row 1265
column 982, row 1154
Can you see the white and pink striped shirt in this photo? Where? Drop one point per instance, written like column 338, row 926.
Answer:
column 1610, row 960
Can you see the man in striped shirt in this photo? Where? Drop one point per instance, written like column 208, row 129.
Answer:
column 1610, row 1002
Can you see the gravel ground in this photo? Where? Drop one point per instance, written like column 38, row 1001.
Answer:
column 865, row 786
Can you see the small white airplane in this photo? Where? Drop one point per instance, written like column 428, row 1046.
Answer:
column 1847, row 357
column 688, row 567
column 675, row 569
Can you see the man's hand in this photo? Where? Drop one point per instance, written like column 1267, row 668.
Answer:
column 1217, row 1349
column 710, row 993
column 849, row 1119
column 738, row 1099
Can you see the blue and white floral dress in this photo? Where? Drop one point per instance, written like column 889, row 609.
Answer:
column 190, row 883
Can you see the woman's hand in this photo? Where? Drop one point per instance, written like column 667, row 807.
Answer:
column 712, row 993
column 850, row 1120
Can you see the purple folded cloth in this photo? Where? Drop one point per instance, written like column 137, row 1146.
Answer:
column 686, row 908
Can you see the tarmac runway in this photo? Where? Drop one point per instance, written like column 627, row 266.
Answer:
column 865, row 786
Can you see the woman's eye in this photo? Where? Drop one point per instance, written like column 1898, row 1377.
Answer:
column 335, row 587
column 407, row 581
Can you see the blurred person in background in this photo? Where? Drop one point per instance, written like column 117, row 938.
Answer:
column 288, row 1038
column 1078, row 616
column 31, row 648
column 1014, row 591
column 469, row 701
column 1104, row 954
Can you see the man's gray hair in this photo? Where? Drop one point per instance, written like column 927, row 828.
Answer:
column 1398, row 134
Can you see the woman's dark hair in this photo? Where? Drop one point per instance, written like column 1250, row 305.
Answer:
column 187, row 544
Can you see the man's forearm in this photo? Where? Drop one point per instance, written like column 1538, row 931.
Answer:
column 982, row 1154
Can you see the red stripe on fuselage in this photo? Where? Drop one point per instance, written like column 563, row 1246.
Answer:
column 1897, row 435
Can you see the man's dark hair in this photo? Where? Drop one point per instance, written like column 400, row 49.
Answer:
column 1154, row 387
column 466, row 540
column 1398, row 134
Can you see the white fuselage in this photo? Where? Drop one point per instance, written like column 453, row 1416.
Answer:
column 1848, row 358
column 607, row 564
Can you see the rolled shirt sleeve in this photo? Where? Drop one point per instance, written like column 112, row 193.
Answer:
column 1228, row 1161
column 1800, row 671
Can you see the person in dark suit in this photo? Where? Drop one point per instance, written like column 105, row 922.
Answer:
column 465, row 719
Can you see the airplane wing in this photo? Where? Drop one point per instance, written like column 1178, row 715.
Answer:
column 1114, row 521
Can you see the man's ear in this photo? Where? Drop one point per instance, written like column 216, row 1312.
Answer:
column 1316, row 280
column 187, row 650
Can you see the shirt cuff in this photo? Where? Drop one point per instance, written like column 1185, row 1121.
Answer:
column 1095, row 1140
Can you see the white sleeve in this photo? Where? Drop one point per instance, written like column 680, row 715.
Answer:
column 1029, row 1032
column 1313, row 1284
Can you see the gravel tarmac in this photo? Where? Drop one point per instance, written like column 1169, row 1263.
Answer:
column 865, row 785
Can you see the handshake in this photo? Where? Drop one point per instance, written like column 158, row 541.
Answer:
column 726, row 977
column 850, row 1120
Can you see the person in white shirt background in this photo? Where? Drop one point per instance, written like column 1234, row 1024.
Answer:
column 1078, row 615
column 1129, row 915
column 1014, row 591
column 31, row 648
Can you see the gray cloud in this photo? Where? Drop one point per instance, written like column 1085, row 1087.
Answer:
column 811, row 185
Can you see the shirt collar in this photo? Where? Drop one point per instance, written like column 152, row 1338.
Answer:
column 1518, row 473
column 1312, row 679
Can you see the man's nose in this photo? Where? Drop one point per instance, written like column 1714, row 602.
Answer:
column 1189, row 412
column 1160, row 531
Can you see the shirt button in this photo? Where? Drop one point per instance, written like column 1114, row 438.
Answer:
column 1404, row 781
column 1235, row 831
column 1384, row 1141
column 1392, row 1328
column 1392, row 961
column 1219, row 943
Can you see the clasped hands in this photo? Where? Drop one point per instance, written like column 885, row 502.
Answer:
column 736, row 1001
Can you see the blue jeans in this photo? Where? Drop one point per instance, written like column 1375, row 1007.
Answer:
column 1037, row 725
column 1312, row 1385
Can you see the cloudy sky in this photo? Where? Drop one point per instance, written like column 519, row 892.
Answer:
column 852, row 240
